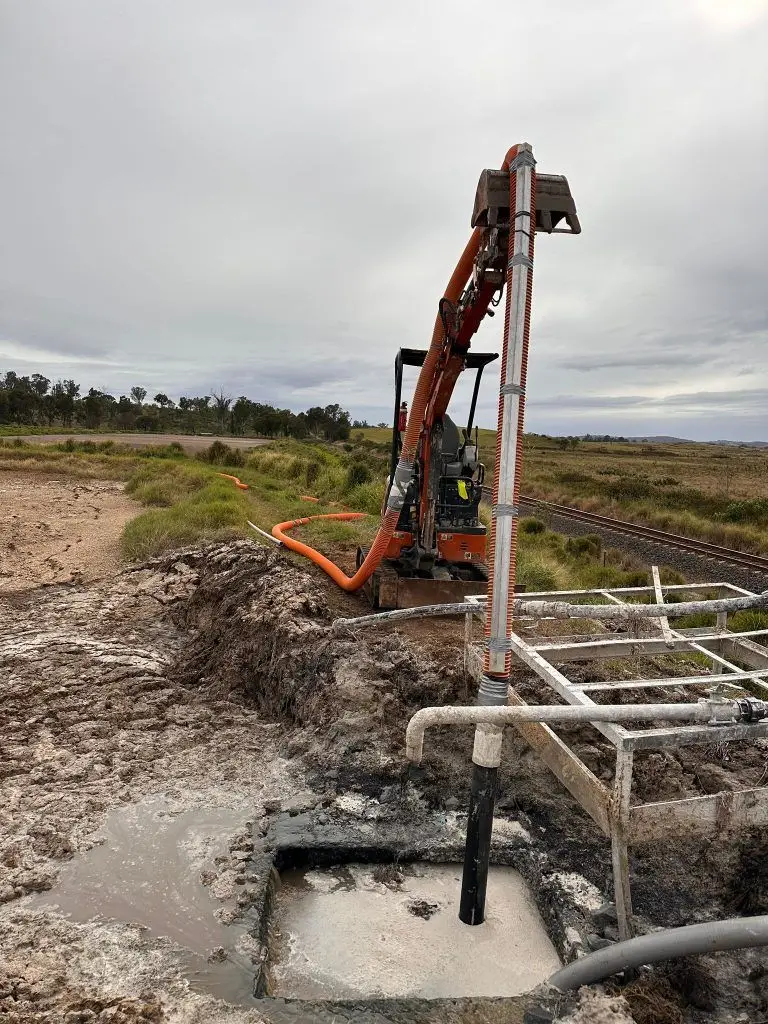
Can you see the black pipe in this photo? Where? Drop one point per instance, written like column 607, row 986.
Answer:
column 473, row 405
column 477, row 851
column 395, row 454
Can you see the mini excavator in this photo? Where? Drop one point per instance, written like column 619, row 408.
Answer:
column 437, row 553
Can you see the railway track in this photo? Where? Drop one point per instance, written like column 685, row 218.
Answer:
column 699, row 547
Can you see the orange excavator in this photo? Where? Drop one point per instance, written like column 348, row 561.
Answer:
column 431, row 544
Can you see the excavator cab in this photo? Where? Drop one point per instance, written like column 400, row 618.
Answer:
column 454, row 566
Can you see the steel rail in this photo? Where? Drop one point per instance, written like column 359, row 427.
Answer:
column 699, row 547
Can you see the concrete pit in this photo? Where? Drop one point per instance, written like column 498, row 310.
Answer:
column 392, row 931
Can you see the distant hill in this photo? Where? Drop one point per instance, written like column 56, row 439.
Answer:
column 670, row 439
column 667, row 439
column 662, row 439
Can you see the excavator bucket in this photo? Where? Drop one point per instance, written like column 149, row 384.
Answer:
column 554, row 203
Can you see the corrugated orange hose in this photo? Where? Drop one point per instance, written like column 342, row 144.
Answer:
column 235, row 480
column 421, row 395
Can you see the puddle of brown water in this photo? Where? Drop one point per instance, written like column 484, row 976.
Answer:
column 401, row 937
column 147, row 872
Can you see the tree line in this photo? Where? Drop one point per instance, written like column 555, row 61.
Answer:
column 37, row 401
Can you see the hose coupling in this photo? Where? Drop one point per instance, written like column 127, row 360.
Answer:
column 751, row 709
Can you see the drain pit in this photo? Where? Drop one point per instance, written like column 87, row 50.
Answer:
column 392, row 931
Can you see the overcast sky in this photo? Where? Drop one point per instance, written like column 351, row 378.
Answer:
column 269, row 198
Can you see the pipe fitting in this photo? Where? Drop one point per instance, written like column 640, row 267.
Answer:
column 399, row 486
column 752, row 709
column 493, row 691
column 487, row 749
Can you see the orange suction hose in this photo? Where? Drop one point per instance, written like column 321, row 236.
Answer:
column 453, row 291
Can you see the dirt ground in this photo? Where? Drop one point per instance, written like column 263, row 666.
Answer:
column 190, row 442
column 209, row 679
column 54, row 530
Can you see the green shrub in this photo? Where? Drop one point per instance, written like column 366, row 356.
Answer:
column 220, row 454
column 751, row 510
column 531, row 526
column 588, row 546
column 312, row 472
column 627, row 489
column 536, row 575
column 366, row 497
column 358, row 473
column 296, row 468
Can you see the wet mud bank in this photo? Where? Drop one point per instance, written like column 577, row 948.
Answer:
column 209, row 681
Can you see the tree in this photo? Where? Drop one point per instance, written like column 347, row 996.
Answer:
column 64, row 393
column 96, row 408
column 138, row 395
column 221, row 404
column 40, row 384
column 163, row 401
column 241, row 413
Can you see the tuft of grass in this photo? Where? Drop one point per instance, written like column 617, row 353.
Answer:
column 160, row 484
column 193, row 504
column 220, row 454
column 366, row 498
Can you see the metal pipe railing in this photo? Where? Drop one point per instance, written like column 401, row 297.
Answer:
column 714, row 710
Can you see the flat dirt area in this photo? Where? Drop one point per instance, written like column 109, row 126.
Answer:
column 55, row 530
column 155, row 719
column 189, row 442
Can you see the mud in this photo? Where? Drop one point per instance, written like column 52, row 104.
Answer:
column 208, row 679
column 343, row 933
column 54, row 530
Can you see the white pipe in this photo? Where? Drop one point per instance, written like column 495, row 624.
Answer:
column 511, row 411
column 713, row 710
column 710, row 937
column 562, row 610
column 264, row 533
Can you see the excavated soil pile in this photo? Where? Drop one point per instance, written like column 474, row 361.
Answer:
column 261, row 633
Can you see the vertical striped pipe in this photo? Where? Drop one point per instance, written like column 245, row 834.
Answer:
column 509, row 437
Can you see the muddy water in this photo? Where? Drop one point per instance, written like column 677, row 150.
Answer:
column 359, row 930
column 147, row 872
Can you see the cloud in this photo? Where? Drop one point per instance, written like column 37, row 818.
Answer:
column 269, row 198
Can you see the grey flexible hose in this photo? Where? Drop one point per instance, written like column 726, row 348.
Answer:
column 710, row 937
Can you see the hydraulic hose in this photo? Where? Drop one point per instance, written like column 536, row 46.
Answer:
column 710, row 937
column 404, row 471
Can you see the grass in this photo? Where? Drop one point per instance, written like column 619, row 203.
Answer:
column 189, row 504
column 718, row 493
column 186, row 500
